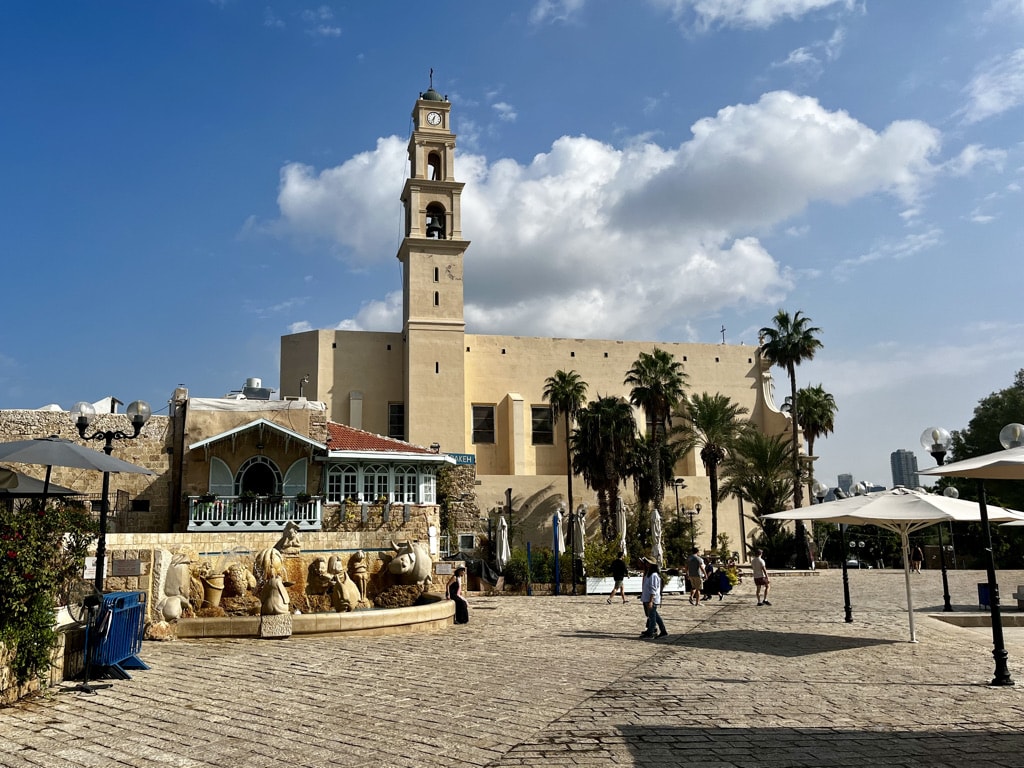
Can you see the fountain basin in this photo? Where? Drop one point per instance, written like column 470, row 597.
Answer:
column 435, row 613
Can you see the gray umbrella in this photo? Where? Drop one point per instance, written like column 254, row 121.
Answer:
column 58, row 452
column 14, row 485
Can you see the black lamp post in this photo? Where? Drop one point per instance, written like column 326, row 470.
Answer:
column 693, row 533
column 84, row 413
column 678, row 483
column 936, row 441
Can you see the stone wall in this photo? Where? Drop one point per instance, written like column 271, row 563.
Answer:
column 149, row 449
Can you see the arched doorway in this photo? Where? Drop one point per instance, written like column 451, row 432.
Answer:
column 259, row 475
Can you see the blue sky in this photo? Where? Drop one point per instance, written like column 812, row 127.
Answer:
column 185, row 182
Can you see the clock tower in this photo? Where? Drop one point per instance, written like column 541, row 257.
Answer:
column 431, row 254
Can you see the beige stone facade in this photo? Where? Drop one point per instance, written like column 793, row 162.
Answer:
column 424, row 383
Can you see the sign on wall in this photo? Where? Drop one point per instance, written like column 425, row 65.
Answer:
column 464, row 458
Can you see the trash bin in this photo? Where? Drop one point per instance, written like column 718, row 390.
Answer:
column 983, row 600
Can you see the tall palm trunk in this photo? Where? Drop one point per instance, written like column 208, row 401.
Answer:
column 568, row 463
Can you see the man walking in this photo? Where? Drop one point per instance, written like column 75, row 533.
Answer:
column 650, row 595
column 695, row 575
column 619, row 575
column 761, row 580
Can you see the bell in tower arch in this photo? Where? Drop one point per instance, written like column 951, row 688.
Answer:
column 435, row 224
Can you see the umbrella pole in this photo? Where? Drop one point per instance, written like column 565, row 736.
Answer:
column 1002, row 674
column 101, row 544
column 558, row 574
column 906, row 578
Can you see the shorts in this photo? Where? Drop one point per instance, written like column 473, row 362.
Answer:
column 762, row 581
column 618, row 584
column 695, row 582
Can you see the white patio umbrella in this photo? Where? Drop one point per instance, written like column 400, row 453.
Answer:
column 1001, row 465
column 656, row 551
column 579, row 530
column 901, row 510
column 559, row 524
column 502, row 554
column 620, row 526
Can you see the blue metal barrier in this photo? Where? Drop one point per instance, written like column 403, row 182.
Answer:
column 119, row 647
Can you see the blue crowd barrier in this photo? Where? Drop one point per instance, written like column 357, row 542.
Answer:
column 119, row 647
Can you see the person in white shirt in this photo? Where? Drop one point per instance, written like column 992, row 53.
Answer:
column 761, row 579
column 650, row 595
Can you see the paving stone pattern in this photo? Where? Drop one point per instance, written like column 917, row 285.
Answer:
column 566, row 681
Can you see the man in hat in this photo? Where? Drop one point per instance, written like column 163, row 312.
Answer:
column 650, row 595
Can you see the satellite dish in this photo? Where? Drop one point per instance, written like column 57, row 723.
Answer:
column 86, row 608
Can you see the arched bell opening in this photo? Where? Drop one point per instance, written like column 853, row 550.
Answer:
column 436, row 222
column 434, row 166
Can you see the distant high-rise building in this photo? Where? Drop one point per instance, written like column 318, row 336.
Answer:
column 846, row 483
column 904, row 468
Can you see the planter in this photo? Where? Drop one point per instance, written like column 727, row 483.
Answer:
column 213, row 588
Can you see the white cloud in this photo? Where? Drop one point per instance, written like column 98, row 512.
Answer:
column 270, row 20
column 903, row 248
column 506, row 112
column 974, row 155
column 300, row 327
column 545, row 11
column 747, row 13
column 997, row 88
column 590, row 240
column 383, row 315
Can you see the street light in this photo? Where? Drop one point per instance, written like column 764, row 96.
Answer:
column 936, row 441
column 84, row 414
column 691, row 513
column 677, row 483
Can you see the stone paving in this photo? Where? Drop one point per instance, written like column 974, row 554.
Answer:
column 565, row 681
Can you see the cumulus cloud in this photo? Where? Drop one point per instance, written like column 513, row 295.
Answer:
column 758, row 14
column 974, row 155
column 593, row 240
column 996, row 88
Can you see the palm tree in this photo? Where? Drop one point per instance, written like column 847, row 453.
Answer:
column 787, row 344
column 712, row 422
column 817, row 410
column 601, row 445
column 567, row 393
column 756, row 470
column 658, row 384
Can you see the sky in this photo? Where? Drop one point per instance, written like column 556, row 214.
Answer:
column 186, row 182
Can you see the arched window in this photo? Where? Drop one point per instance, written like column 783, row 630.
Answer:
column 406, row 490
column 342, row 483
column 375, row 482
column 437, row 298
column 258, row 475
column 222, row 482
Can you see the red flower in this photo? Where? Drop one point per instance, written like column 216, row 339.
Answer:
column 12, row 554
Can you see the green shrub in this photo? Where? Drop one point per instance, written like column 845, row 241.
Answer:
column 516, row 573
column 42, row 552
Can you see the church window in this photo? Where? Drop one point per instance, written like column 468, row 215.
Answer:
column 396, row 420
column 483, row 423
column 436, row 222
column 543, row 425
column 434, row 166
column 437, row 274
column 437, row 299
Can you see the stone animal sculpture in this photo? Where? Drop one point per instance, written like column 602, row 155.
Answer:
column 318, row 580
column 271, row 573
column 176, row 588
column 360, row 573
column 289, row 543
column 411, row 563
column 344, row 593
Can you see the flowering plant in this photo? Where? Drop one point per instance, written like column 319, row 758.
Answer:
column 43, row 552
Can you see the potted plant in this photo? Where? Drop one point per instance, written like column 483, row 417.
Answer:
column 207, row 502
column 302, row 498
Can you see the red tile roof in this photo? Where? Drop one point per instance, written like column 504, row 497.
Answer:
column 342, row 437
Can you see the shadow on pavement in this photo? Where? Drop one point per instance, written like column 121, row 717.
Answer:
column 772, row 643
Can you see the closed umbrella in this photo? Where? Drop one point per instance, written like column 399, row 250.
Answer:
column 656, row 551
column 620, row 526
column 901, row 510
column 559, row 523
column 579, row 530
column 502, row 555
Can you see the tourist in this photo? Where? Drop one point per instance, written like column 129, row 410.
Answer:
column 761, row 580
column 916, row 558
column 650, row 595
column 619, row 574
column 454, row 589
column 695, row 575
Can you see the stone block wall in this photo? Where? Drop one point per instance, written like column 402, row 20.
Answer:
column 149, row 449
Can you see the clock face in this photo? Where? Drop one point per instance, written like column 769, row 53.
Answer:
column 434, row 118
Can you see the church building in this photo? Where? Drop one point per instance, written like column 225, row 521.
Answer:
column 479, row 398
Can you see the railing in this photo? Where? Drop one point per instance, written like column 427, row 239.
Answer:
column 266, row 513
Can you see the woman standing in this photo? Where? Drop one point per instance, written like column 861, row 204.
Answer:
column 454, row 588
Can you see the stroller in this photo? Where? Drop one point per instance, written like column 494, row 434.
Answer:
column 717, row 583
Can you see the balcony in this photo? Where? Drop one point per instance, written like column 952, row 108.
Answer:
column 264, row 513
